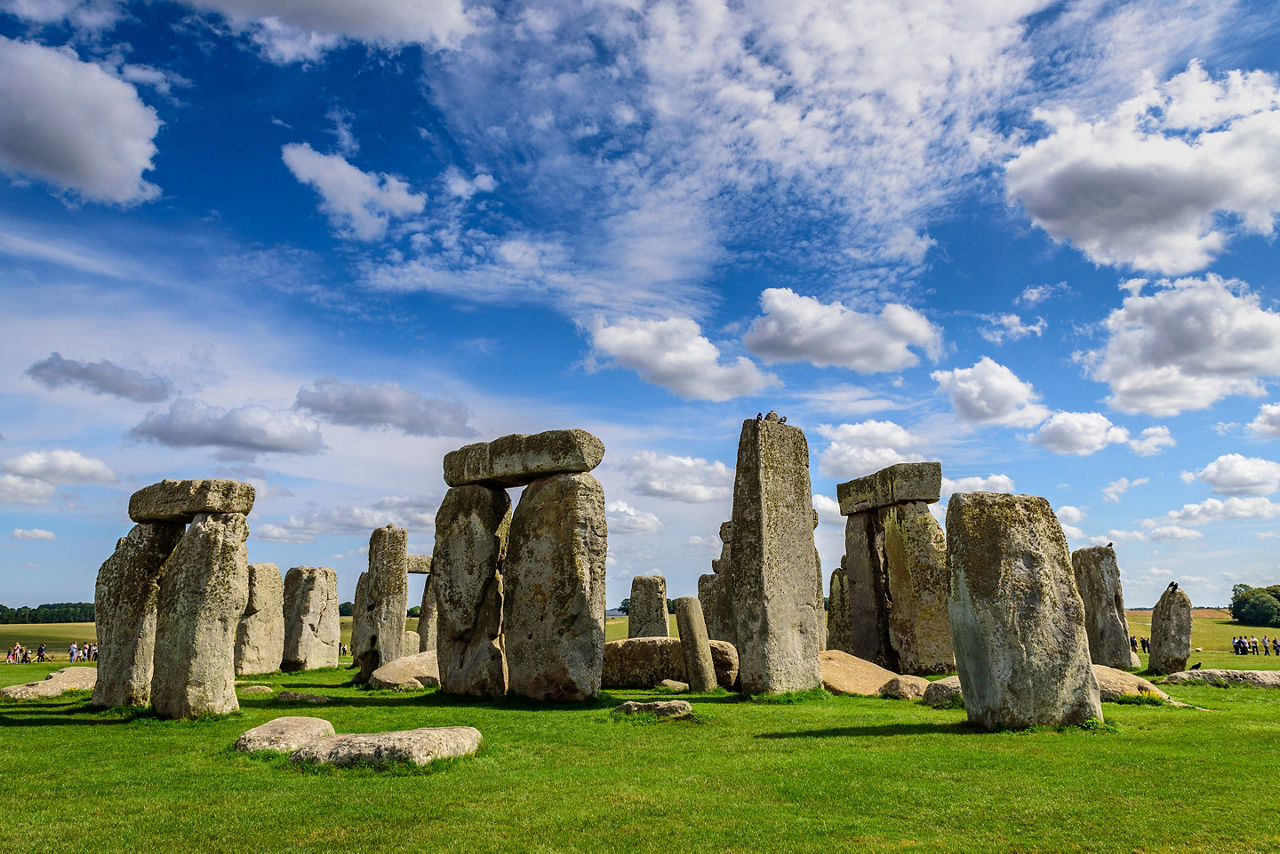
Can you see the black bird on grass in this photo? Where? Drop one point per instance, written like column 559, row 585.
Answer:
column 1196, row 666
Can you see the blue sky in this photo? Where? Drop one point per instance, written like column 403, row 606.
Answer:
column 317, row 246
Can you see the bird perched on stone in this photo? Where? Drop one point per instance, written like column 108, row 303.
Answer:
column 782, row 420
column 759, row 416
column 1110, row 545
column 1173, row 585
column 1195, row 666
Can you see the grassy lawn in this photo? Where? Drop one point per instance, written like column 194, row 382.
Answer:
column 842, row 773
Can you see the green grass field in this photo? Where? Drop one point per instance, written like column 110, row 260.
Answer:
column 842, row 773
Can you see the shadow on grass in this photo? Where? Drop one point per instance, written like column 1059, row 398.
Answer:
column 881, row 730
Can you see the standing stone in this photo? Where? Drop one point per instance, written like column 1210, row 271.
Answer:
column 386, row 596
column 428, row 617
column 466, row 577
column 555, row 577
column 647, row 617
column 1016, row 618
column 916, row 554
column 360, row 628
column 260, row 636
column 410, row 642
column 1098, row 582
column 695, row 644
column 124, row 608
column 771, row 575
column 1170, row 632
column 713, row 590
column 311, row 625
column 203, row 593
column 866, row 571
column 838, row 627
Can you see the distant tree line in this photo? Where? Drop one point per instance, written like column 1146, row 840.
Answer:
column 57, row 612
column 1256, row 606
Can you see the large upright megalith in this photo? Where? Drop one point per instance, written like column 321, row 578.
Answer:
column 771, row 574
column 311, row 625
column 713, row 591
column 380, row 622
column 700, row 669
column 895, row 569
column 203, row 593
column 428, row 617
column 466, row 582
column 1170, row 631
column 260, row 635
column 647, row 614
column 1098, row 582
column 125, row 613
column 1017, row 621
column 839, row 629
column 554, row 577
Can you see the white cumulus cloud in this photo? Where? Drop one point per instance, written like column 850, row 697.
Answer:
column 1152, row 441
column 1267, row 422
column 1112, row 491
column 15, row 489
column 385, row 405
column 622, row 518
column 866, row 447
column 1221, row 510
column 1236, row 474
column 976, row 483
column 1000, row 328
column 60, row 466
column 1079, row 433
column 828, row 510
column 359, row 204
column 990, row 393
column 32, row 534
column 689, row 479
column 243, row 431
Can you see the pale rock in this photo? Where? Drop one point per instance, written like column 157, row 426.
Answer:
column 1170, row 633
column 670, row 709
column 300, row 697
column 419, row 564
column 906, row 687
column 256, row 689
column 646, row 662
column 716, row 607
column 183, row 500
column 311, row 625
column 1223, row 678
column 415, row 746
column 380, row 623
column 410, row 673
column 1098, row 581
column 898, row 484
column 56, row 683
column 260, row 634
column 700, row 671
column 647, row 616
column 284, row 734
column 1114, row 683
column 843, row 673
column 410, row 642
column 918, row 616
column 520, row 459
column 943, row 692
column 673, row 686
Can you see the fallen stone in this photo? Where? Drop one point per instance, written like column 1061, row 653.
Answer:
column 203, row 593
column 843, row 673
column 669, row 709
column 897, row 484
column 183, row 500
column 415, row 746
column 1170, row 633
column 943, row 693
column 410, row 673
column 1114, row 683
column 700, row 671
column 674, row 686
column 905, row 687
column 311, row 626
column 554, row 579
column 379, row 621
column 646, row 662
column 647, row 615
column 58, row 682
column 125, row 613
column 1250, row 678
column 299, row 697
column 1098, row 582
column 256, row 689
column 260, row 635
column 520, row 459
column 284, row 734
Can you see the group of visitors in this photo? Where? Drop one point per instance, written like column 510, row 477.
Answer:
column 1252, row 646
column 1134, row 643
column 19, row 654
column 84, row 652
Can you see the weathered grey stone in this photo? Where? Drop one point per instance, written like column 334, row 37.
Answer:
column 716, row 606
column 428, row 618
column 555, row 580
column 726, row 532
column 866, row 571
column 1114, row 684
column 377, row 628
column 1170, row 633
column 646, row 662
column 125, row 613
column 700, row 670
column 670, row 709
column 419, row 564
column 56, row 683
column 647, row 616
column 843, row 673
column 839, row 629
column 1022, row 654
column 183, row 500
column 203, row 592
column 905, row 687
column 771, row 574
column 411, row 642
column 284, row 735
column 1098, row 582
column 311, row 626
column 472, row 526
column 410, row 673
column 674, row 686
column 916, row 561
column 415, row 746
column 300, row 697
column 260, row 635
column 943, row 692
column 1224, row 678
column 819, row 604
column 255, row 689
column 898, row 484
column 520, row 459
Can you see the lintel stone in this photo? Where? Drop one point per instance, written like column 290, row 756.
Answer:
column 520, row 459
column 183, row 500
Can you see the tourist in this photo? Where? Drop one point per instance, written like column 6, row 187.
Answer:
column 1133, row 643
column 40, row 654
column 71, row 652
column 1266, row 645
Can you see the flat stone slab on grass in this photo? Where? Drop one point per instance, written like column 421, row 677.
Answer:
column 285, row 734
column 1251, row 678
column 58, row 682
column 256, row 689
column 670, row 709
column 674, row 685
column 299, row 697
column 183, row 500
column 943, row 692
column 410, row 673
column 519, row 459
column 905, row 687
column 843, row 673
column 416, row 746
column 1114, row 684
column 897, row 484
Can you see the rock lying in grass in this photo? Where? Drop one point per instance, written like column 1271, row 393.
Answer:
column 1251, row 678
column 415, row 746
column 905, row 688
column 255, row 689
column 285, row 734
column 674, row 686
column 944, row 693
column 298, row 697
column 843, row 673
column 1113, row 684
column 58, row 682
column 410, row 673
column 670, row 709
column 644, row 662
